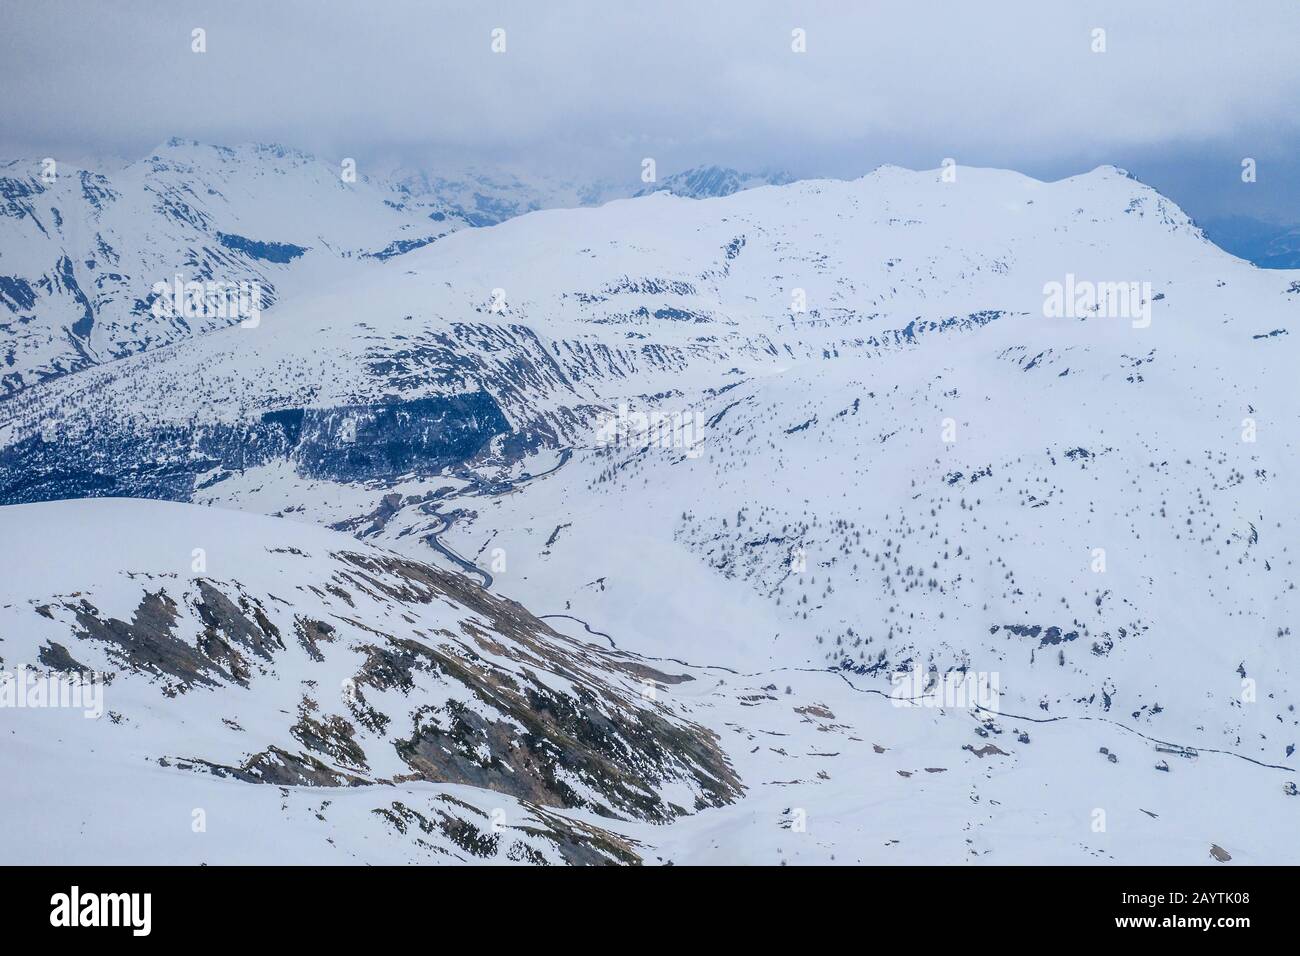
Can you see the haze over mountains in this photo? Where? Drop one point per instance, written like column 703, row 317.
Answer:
column 888, row 463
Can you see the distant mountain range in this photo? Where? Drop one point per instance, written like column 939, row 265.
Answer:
column 707, row 182
column 1268, row 245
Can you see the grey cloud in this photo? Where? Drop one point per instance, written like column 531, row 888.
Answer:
column 595, row 86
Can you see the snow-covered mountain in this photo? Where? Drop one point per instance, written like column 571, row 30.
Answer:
column 709, row 182
column 901, row 427
column 83, row 251
column 485, row 197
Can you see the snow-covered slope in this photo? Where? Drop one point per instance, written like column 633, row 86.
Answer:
column 267, row 692
column 898, row 462
column 245, row 650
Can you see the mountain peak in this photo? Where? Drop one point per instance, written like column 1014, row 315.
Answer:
column 1110, row 170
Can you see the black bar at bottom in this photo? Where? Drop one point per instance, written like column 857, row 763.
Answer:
column 299, row 905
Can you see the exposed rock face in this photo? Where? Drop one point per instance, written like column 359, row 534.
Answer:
column 442, row 683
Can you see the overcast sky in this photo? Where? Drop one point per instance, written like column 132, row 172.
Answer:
column 1184, row 90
